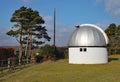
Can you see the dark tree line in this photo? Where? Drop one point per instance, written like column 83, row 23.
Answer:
column 6, row 53
column 50, row 52
column 113, row 33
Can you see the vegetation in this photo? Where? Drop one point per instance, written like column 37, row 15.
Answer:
column 50, row 52
column 61, row 71
column 28, row 29
column 6, row 53
column 113, row 33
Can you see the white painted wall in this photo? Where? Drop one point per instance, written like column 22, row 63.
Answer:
column 93, row 55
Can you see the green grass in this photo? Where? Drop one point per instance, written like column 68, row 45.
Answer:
column 61, row 71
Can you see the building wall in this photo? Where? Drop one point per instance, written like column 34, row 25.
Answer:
column 88, row 55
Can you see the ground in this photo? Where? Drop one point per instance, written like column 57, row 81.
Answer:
column 61, row 71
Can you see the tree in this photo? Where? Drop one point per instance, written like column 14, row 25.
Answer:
column 49, row 52
column 28, row 26
column 113, row 33
column 118, row 39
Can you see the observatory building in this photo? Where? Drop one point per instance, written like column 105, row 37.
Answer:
column 87, row 45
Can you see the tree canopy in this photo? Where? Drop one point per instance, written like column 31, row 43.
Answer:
column 113, row 33
column 28, row 28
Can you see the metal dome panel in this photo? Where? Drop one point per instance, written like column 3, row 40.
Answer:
column 88, row 35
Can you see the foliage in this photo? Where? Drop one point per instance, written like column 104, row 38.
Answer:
column 53, row 53
column 30, row 22
column 49, row 52
column 61, row 71
column 6, row 53
column 38, row 58
column 66, row 54
column 113, row 33
column 28, row 29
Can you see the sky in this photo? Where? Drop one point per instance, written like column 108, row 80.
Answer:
column 69, row 13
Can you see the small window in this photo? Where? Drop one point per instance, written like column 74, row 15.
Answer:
column 80, row 49
column 85, row 49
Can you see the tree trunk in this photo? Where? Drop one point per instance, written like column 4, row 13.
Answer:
column 26, row 48
column 20, row 47
column 27, row 45
column 30, row 46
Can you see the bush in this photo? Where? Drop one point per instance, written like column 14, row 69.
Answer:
column 38, row 58
column 48, row 52
column 66, row 54
column 6, row 53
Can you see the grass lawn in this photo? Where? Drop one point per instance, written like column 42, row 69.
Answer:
column 61, row 71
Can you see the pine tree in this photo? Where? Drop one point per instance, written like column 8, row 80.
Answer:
column 28, row 29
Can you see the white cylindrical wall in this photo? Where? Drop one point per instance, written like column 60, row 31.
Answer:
column 92, row 55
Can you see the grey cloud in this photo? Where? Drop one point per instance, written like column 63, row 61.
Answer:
column 111, row 6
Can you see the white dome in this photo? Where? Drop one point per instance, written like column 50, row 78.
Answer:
column 88, row 35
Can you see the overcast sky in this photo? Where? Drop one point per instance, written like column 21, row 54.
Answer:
column 68, row 14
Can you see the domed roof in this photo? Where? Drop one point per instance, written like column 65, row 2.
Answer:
column 88, row 35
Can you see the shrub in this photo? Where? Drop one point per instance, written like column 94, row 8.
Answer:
column 48, row 52
column 38, row 58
